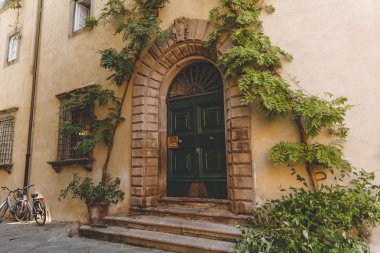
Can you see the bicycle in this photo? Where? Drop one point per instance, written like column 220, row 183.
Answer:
column 24, row 211
column 7, row 204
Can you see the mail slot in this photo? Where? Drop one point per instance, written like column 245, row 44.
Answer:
column 173, row 142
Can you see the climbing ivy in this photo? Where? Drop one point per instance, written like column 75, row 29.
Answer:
column 137, row 25
column 255, row 62
column 326, row 218
column 16, row 5
column 101, row 129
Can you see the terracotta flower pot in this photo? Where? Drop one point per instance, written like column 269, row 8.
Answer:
column 96, row 212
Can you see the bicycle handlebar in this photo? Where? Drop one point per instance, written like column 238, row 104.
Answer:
column 17, row 190
column 9, row 191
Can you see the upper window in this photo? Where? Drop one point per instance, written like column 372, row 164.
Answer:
column 7, row 123
column 81, row 12
column 13, row 47
column 68, row 141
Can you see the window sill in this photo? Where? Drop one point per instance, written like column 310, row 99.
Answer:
column 77, row 32
column 85, row 162
column 10, row 63
column 6, row 167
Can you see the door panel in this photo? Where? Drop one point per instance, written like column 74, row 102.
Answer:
column 182, row 121
column 213, row 164
column 181, row 161
column 182, row 164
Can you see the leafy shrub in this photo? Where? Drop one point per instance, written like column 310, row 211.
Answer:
column 331, row 219
column 107, row 191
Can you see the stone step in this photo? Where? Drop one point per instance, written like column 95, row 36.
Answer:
column 175, row 225
column 222, row 204
column 158, row 240
column 205, row 214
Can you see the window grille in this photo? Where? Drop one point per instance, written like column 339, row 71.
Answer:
column 67, row 142
column 6, row 139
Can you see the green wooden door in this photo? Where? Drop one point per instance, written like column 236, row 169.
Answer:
column 200, row 158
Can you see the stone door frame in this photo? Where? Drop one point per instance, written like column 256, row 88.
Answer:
column 155, row 72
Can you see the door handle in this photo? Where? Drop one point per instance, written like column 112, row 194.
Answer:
column 179, row 141
column 211, row 138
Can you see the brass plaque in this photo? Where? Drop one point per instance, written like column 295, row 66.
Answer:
column 173, row 142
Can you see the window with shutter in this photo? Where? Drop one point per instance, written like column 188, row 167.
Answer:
column 82, row 11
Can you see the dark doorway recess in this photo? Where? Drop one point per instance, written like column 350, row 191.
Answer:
column 196, row 134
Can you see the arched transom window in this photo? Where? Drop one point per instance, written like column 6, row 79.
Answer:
column 195, row 79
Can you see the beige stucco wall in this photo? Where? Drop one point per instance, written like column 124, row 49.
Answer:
column 15, row 83
column 67, row 63
column 335, row 49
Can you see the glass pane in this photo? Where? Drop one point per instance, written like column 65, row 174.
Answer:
column 13, row 47
column 81, row 13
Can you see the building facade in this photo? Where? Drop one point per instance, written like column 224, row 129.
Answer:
column 335, row 49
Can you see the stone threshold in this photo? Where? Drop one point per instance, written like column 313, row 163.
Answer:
column 223, row 204
column 205, row 214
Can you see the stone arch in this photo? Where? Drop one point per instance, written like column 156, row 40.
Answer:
column 154, row 74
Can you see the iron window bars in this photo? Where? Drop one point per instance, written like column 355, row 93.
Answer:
column 7, row 123
column 67, row 142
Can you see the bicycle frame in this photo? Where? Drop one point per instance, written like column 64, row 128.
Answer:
column 9, row 202
column 25, row 210
column 25, row 203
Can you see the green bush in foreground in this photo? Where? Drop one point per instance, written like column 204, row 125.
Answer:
column 331, row 219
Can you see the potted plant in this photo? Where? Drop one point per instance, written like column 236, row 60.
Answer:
column 97, row 197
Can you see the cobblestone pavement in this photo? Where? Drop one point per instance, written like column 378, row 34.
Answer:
column 52, row 238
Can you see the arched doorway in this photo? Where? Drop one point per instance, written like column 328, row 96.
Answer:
column 196, row 156
column 155, row 73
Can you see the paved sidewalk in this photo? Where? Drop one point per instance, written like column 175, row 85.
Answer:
column 52, row 238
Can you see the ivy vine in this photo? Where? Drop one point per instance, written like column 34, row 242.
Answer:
column 100, row 129
column 137, row 26
column 255, row 62
column 16, row 5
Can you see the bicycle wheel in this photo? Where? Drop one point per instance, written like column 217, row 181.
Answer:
column 22, row 212
column 40, row 213
column 3, row 209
